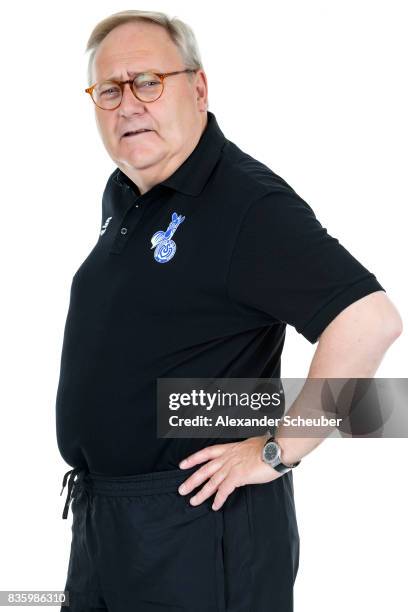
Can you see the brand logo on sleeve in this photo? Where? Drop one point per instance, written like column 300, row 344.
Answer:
column 105, row 225
column 162, row 243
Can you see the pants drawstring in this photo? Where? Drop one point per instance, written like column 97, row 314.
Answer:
column 71, row 473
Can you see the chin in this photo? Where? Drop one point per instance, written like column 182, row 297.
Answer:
column 140, row 159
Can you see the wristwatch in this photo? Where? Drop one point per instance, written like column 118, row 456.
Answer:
column 271, row 454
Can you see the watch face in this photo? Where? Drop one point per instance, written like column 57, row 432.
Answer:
column 271, row 452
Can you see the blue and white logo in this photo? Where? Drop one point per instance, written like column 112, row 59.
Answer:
column 162, row 242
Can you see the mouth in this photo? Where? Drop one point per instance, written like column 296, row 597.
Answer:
column 132, row 133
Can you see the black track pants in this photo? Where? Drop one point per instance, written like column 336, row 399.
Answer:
column 140, row 546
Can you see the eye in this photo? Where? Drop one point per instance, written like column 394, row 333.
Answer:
column 108, row 90
column 147, row 81
column 112, row 91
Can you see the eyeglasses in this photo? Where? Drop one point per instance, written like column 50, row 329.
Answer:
column 146, row 87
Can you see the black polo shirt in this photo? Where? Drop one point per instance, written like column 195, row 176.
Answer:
column 197, row 277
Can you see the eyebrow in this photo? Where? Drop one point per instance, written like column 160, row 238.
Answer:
column 132, row 73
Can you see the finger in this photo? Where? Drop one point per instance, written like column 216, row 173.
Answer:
column 209, row 488
column 210, row 452
column 224, row 490
column 200, row 476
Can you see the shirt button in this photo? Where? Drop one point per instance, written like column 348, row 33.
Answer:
column 123, row 230
column 137, row 205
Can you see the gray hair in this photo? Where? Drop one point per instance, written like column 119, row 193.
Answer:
column 180, row 33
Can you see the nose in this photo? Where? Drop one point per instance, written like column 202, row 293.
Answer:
column 130, row 104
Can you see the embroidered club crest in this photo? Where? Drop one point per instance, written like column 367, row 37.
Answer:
column 162, row 243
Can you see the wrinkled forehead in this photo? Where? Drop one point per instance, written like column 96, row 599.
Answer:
column 134, row 47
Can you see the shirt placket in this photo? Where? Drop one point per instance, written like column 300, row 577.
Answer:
column 132, row 217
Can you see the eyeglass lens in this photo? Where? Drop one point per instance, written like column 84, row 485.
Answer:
column 146, row 86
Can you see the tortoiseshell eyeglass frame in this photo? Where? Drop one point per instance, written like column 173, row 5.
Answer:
column 121, row 84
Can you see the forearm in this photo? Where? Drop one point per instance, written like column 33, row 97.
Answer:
column 352, row 346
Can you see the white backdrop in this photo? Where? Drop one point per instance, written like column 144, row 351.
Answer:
column 333, row 124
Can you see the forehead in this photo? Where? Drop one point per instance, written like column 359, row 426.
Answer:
column 135, row 46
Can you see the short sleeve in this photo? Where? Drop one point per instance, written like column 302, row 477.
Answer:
column 286, row 266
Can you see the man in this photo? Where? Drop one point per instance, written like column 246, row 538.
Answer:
column 204, row 256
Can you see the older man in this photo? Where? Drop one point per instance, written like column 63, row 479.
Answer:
column 204, row 255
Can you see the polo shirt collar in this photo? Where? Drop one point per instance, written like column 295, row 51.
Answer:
column 192, row 175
